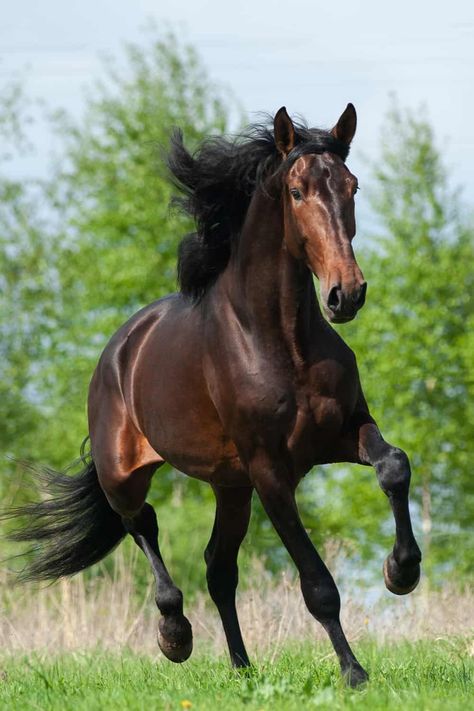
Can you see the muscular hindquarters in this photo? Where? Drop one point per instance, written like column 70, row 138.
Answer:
column 148, row 402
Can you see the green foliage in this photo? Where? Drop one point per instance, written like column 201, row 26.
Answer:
column 428, row 675
column 83, row 250
column 117, row 251
column 26, row 292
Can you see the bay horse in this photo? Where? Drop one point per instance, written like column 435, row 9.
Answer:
column 237, row 380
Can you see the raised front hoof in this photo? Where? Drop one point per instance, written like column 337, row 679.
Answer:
column 355, row 676
column 175, row 638
column 400, row 580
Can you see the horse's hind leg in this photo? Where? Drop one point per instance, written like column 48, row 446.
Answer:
column 230, row 527
column 126, row 494
column 174, row 630
column 125, row 474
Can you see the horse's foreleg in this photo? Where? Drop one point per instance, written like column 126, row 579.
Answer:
column 402, row 566
column 230, row 527
column 318, row 587
column 174, row 630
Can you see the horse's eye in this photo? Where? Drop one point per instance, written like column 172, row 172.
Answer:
column 295, row 193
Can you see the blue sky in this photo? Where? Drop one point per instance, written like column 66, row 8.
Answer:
column 313, row 57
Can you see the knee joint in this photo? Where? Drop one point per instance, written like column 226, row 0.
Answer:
column 322, row 600
column 393, row 472
column 222, row 582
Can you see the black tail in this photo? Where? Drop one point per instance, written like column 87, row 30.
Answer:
column 72, row 529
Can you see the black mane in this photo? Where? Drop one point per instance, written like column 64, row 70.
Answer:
column 218, row 181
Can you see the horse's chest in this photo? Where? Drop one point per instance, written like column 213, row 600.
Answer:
column 326, row 413
column 317, row 428
column 324, row 404
column 318, row 417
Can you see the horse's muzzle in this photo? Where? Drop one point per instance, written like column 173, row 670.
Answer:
column 342, row 306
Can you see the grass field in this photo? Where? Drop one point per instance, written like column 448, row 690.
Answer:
column 50, row 637
column 427, row 675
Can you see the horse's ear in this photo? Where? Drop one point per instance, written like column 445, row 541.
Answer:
column 345, row 128
column 284, row 132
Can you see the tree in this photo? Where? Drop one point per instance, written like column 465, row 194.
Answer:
column 26, row 277
column 104, row 246
column 117, row 249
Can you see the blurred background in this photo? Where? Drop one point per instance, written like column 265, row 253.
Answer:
column 89, row 92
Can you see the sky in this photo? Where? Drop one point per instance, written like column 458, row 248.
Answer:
column 311, row 56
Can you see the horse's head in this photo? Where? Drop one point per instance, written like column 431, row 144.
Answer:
column 318, row 194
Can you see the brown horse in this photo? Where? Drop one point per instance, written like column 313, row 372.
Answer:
column 237, row 380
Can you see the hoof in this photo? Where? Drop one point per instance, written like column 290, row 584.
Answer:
column 355, row 676
column 240, row 662
column 175, row 638
column 398, row 580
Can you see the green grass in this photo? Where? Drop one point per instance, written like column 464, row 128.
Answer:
column 423, row 676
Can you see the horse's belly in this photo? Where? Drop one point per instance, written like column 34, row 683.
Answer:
column 197, row 446
column 222, row 472
column 189, row 435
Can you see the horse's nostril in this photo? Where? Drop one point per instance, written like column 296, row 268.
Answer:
column 360, row 297
column 335, row 298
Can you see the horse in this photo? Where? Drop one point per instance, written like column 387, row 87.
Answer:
column 238, row 380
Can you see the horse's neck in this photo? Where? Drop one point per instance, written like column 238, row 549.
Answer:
column 273, row 289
